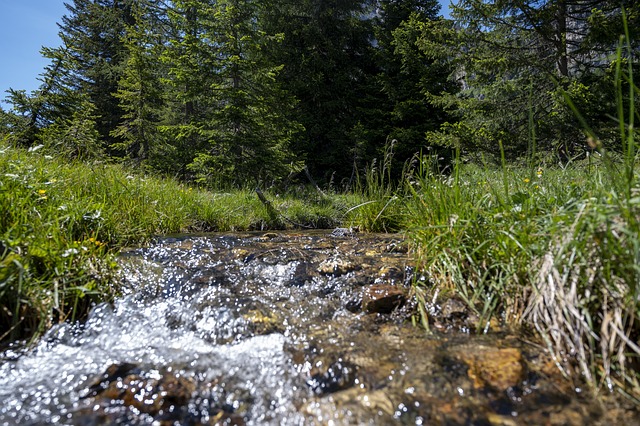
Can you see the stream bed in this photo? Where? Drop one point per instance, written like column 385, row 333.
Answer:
column 290, row 328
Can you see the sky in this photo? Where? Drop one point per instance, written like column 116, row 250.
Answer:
column 26, row 26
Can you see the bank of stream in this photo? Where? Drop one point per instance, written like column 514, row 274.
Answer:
column 285, row 328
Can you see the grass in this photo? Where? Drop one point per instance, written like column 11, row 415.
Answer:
column 552, row 249
column 62, row 223
column 555, row 250
column 381, row 210
column 559, row 254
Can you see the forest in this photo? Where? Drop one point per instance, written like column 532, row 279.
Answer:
column 500, row 141
column 234, row 93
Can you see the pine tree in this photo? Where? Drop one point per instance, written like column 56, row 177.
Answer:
column 140, row 89
column 235, row 117
column 516, row 58
column 93, row 38
column 408, row 77
column 329, row 62
column 52, row 102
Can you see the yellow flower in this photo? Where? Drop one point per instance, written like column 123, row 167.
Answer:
column 526, row 180
column 42, row 192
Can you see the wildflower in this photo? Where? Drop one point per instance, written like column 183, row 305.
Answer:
column 539, row 172
column 70, row 252
column 41, row 192
column 526, row 180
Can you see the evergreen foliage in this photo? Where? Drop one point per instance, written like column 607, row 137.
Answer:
column 140, row 92
column 513, row 59
column 238, row 92
column 92, row 34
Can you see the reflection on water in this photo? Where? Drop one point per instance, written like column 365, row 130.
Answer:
column 279, row 329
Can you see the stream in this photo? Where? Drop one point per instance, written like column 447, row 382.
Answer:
column 307, row 328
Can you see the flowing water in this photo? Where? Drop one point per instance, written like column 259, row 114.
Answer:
column 290, row 329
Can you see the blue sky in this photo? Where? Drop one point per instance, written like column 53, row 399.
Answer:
column 26, row 26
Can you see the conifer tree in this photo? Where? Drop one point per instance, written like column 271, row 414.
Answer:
column 516, row 58
column 329, row 62
column 140, row 89
column 92, row 34
column 408, row 77
column 235, row 117
column 53, row 101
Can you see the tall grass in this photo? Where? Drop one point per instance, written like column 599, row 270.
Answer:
column 380, row 212
column 559, row 252
column 62, row 223
column 553, row 249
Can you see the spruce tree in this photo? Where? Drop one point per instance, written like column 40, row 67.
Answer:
column 140, row 90
column 328, row 58
column 53, row 102
column 516, row 59
column 92, row 34
column 409, row 79
column 234, row 114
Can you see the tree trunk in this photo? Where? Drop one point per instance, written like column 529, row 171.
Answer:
column 561, row 39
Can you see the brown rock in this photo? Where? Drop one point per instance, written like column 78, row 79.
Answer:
column 336, row 267
column 124, row 385
column 262, row 323
column 382, row 298
column 492, row 367
column 454, row 308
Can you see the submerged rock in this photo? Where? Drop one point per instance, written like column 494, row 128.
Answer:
column 345, row 232
column 499, row 369
column 334, row 377
column 125, row 387
column 336, row 266
column 383, row 298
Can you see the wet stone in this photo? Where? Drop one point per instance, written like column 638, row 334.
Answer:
column 261, row 323
column 336, row 376
column 496, row 368
column 391, row 273
column 454, row 309
column 344, row 232
column 382, row 298
column 127, row 386
column 336, row 267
